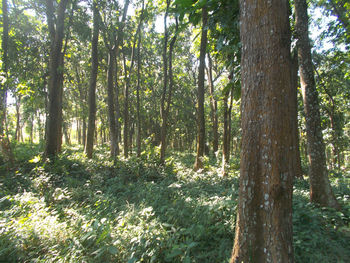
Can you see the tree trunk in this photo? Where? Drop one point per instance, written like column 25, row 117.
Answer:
column 18, row 118
column 213, row 106
column 225, row 141
column 264, row 221
column 3, row 88
column 200, row 110
column 110, row 101
column 126, row 111
column 320, row 188
column 55, row 106
column 89, row 146
column 138, row 138
column 119, row 41
column 294, row 107
column 168, row 84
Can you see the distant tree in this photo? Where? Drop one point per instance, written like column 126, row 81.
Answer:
column 3, row 81
column 320, row 188
column 213, row 105
column 92, row 87
column 56, row 33
column 264, row 220
column 168, row 82
column 201, row 91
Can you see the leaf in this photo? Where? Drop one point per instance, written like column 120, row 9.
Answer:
column 192, row 245
column 174, row 253
column 113, row 250
column 237, row 92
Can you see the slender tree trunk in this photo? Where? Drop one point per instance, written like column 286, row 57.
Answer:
column 225, row 146
column 200, row 110
column 18, row 118
column 3, row 88
column 168, row 84
column 110, row 101
column 138, row 103
column 89, row 146
column 165, row 85
column 126, row 111
column 119, row 41
column 294, row 107
column 213, row 106
column 320, row 188
column 55, row 106
column 60, row 101
column 264, row 221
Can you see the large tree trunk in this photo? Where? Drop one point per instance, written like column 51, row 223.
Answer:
column 89, row 146
column 320, row 188
column 264, row 222
column 55, row 105
column 200, row 110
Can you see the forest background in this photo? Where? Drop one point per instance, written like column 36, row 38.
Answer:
column 129, row 150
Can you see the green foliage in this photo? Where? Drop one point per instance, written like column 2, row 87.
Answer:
column 80, row 210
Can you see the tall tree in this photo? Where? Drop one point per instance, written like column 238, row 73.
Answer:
column 200, row 108
column 112, row 41
column 264, row 221
column 3, row 91
column 92, row 87
column 56, row 31
column 168, row 82
column 320, row 188
column 213, row 105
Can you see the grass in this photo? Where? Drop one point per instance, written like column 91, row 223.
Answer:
column 80, row 210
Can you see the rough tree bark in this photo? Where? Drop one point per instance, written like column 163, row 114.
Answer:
column 56, row 31
column 200, row 110
column 320, row 188
column 264, row 222
column 89, row 146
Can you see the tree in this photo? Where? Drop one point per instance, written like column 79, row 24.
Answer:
column 112, row 41
column 200, row 107
column 4, row 46
column 320, row 188
column 56, row 31
column 92, row 87
column 168, row 81
column 213, row 105
column 264, row 221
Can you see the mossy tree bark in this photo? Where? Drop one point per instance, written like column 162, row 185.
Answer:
column 264, row 223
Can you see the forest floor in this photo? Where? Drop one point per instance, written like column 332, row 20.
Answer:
column 80, row 210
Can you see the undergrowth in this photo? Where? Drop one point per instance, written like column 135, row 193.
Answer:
column 100, row 210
